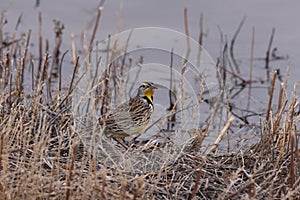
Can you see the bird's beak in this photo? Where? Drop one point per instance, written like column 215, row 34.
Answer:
column 154, row 86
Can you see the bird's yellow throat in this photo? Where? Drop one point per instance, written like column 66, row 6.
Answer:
column 149, row 93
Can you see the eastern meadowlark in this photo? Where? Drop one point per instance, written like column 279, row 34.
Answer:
column 132, row 116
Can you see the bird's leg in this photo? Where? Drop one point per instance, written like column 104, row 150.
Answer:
column 136, row 137
column 121, row 143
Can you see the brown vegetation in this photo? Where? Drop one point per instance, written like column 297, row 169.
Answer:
column 42, row 157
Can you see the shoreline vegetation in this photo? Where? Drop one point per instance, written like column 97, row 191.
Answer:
column 42, row 156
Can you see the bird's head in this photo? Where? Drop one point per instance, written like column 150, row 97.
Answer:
column 146, row 89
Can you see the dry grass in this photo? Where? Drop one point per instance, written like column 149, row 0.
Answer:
column 42, row 157
column 35, row 164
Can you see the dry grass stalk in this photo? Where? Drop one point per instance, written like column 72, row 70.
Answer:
column 233, row 42
column 269, row 50
column 71, row 168
column 221, row 135
column 201, row 34
column 60, row 71
column 271, row 95
column 251, row 67
column 40, row 41
column 74, row 54
column 292, row 164
column 94, row 31
column 186, row 28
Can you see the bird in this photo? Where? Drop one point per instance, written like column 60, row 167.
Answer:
column 131, row 117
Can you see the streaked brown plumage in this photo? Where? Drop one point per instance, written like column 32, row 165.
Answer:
column 131, row 117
